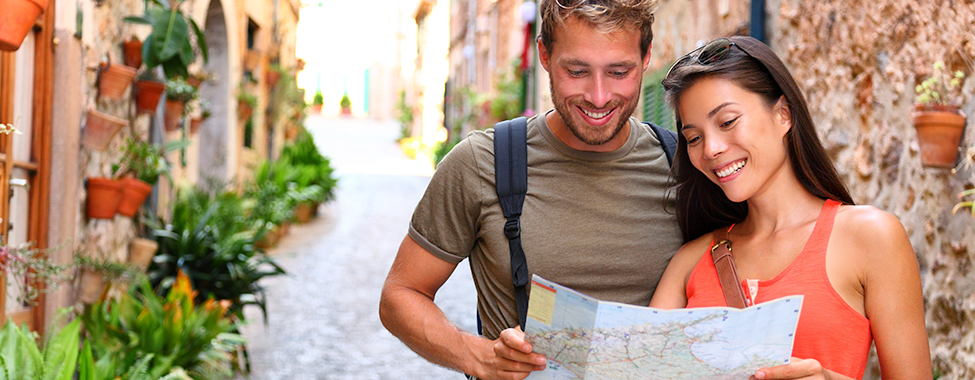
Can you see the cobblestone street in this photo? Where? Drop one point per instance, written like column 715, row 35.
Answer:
column 323, row 320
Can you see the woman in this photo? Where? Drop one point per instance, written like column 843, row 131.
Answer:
column 749, row 161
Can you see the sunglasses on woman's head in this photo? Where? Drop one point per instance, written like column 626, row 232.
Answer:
column 714, row 51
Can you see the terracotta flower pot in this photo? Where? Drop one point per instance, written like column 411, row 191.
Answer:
column 16, row 20
column 271, row 78
column 194, row 81
column 316, row 108
column 244, row 110
column 91, row 287
column 174, row 111
column 134, row 192
column 195, row 124
column 303, row 212
column 252, row 59
column 938, row 135
column 132, row 48
column 141, row 252
column 114, row 79
column 100, row 128
column 147, row 95
column 103, row 198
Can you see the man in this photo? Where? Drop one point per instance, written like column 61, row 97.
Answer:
column 596, row 214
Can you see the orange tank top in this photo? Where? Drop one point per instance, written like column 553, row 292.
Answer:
column 829, row 330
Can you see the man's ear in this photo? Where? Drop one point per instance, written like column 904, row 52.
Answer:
column 543, row 54
column 646, row 58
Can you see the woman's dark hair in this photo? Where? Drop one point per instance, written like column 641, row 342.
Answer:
column 701, row 205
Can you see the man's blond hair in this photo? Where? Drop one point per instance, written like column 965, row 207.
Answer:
column 605, row 16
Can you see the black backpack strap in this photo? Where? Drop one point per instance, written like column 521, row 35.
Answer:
column 667, row 138
column 511, row 179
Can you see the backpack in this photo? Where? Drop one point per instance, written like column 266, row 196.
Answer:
column 511, row 179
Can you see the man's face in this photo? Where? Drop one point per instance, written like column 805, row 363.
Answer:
column 595, row 82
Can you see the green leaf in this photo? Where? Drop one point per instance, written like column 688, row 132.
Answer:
column 169, row 33
column 143, row 20
column 201, row 41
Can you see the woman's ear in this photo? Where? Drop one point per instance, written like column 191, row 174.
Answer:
column 783, row 114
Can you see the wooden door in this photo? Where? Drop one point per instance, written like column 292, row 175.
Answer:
column 26, row 97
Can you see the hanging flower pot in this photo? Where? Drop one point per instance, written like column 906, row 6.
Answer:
column 114, row 79
column 271, row 78
column 91, row 287
column 195, row 124
column 100, row 128
column 132, row 48
column 938, row 134
column 103, row 198
column 252, row 59
column 174, row 112
column 134, row 192
column 147, row 95
column 16, row 20
column 141, row 252
column 244, row 109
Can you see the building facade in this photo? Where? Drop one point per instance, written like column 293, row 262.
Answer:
column 52, row 85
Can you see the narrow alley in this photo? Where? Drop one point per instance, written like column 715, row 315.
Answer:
column 323, row 320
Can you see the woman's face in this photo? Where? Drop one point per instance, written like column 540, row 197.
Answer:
column 733, row 137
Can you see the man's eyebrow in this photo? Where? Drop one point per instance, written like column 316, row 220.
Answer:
column 579, row 62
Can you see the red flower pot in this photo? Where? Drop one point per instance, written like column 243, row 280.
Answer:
column 147, row 95
column 132, row 48
column 195, row 124
column 100, row 128
column 938, row 135
column 174, row 111
column 103, row 198
column 134, row 192
column 16, row 20
column 114, row 79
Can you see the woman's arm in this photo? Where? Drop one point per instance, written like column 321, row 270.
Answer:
column 671, row 290
column 892, row 295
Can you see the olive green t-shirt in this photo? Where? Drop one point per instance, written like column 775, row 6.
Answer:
column 599, row 223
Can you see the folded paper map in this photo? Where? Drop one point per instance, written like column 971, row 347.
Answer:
column 585, row 338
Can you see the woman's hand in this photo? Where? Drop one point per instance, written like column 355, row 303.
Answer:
column 514, row 356
column 808, row 369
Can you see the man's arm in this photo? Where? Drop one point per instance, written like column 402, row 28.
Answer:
column 407, row 310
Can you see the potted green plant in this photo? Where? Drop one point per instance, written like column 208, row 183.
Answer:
column 178, row 93
column 114, row 79
column 938, row 120
column 141, row 165
column 203, row 106
column 16, row 20
column 246, row 103
column 345, row 104
column 148, row 90
column 103, row 197
column 30, row 272
column 132, row 51
column 317, row 101
column 95, row 273
column 100, row 129
column 23, row 356
column 170, row 43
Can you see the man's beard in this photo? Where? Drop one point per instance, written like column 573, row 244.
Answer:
column 584, row 132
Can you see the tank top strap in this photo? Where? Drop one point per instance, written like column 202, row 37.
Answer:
column 824, row 227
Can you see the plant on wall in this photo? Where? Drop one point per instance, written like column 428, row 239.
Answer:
column 170, row 44
column 938, row 121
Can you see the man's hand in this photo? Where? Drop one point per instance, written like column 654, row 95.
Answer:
column 514, row 358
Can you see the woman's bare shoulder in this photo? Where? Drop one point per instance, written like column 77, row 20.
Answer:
column 868, row 229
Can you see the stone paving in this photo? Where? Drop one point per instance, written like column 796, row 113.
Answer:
column 323, row 319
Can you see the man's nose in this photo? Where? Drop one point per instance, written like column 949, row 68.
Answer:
column 598, row 92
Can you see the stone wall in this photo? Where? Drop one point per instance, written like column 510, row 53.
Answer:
column 858, row 62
